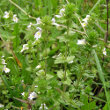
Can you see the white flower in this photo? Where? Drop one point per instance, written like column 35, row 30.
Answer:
column 38, row 20
column 23, row 94
column 29, row 26
column 6, row 14
column 38, row 28
column 3, row 56
column 36, row 86
column 43, row 106
column 84, row 24
column 1, row 105
column 15, row 19
column 40, row 71
column 81, row 42
column 61, row 13
column 22, row 81
column 39, row 66
column 32, row 95
column 88, row 16
column 104, row 52
column 25, row 47
column 58, row 16
column 5, row 69
column 54, row 22
column 85, row 20
column 3, row 62
column 37, row 35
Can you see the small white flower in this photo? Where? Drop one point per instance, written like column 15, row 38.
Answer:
column 54, row 22
column 22, row 81
column 1, row 105
column 36, row 86
column 39, row 66
column 3, row 56
column 6, row 15
column 25, row 47
column 81, row 42
column 58, row 16
column 15, row 19
column 104, row 52
column 32, row 95
column 43, row 106
column 23, row 94
column 37, row 35
column 29, row 26
column 40, row 71
column 38, row 20
column 38, row 28
column 88, row 16
column 3, row 62
column 85, row 20
column 84, row 24
column 5, row 69
column 62, row 11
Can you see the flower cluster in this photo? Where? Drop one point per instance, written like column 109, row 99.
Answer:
column 7, row 15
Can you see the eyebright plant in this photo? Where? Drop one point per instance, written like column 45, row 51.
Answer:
column 53, row 55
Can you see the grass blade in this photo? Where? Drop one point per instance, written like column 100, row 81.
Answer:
column 101, row 76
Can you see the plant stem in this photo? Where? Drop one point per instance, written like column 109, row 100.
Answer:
column 22, row 10
column 106, row 37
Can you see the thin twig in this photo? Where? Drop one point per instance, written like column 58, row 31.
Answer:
column 22, row 9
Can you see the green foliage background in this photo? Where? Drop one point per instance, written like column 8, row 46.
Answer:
column 81, row 85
